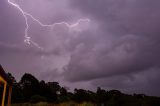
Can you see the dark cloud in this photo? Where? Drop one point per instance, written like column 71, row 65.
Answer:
column 117, row 49
column 139, row 82
column 127, row 42
column 128, row 55
column 125, row 16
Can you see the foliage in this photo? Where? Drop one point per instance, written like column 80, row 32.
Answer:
column 32, row 92
column 37, row 98
column 30, row 86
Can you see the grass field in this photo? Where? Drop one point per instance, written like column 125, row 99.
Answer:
column 61, row 104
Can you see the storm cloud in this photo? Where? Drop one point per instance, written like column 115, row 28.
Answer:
column 117, row 49
column 127, row 43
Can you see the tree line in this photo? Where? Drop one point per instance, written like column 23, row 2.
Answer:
column 30, row 89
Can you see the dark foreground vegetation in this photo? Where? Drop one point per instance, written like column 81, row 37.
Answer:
column 29, row 91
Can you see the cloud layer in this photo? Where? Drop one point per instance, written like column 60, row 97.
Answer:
column 117, row 49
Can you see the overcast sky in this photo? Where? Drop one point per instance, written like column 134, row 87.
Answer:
column 116, row 47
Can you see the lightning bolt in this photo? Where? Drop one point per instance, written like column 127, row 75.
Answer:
column 27, row 38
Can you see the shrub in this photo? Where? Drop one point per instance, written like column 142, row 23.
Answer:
column 37, row 98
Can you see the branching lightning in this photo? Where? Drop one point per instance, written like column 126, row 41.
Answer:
column 27, row 39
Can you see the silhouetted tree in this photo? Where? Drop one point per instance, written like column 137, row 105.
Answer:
column 30, row 86
column 17, row 94
column 53, row 89
column 63, row 96
column 30, row 89
column 63, row 91
column 43, row 88
column 81, row 95
column 101, row 96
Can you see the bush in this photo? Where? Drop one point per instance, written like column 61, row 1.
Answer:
column 37, row 98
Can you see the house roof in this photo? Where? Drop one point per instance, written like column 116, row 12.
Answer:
column 4, row 75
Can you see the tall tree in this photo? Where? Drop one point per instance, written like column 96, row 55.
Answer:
column 30, row 85
column 54, row 89
column 101, row 96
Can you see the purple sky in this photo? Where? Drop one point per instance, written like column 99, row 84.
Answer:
column 119, row 48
